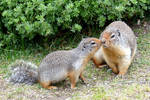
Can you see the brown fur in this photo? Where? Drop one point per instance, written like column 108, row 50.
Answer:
column 117, row 57
column 47, row 85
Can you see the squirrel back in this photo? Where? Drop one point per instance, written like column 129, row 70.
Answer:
column 58, row 65
column 55, row 66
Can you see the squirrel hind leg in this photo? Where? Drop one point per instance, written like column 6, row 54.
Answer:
column 47, row 85
column 99, row 63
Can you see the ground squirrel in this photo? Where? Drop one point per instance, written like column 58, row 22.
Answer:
column 57, row 66
column 118, row 47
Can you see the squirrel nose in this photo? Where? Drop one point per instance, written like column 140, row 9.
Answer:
column 103, row 41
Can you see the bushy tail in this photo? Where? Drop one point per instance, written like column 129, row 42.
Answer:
column 23, row 72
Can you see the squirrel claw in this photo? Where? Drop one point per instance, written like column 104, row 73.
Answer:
column 120, row 76
column 109, row 70
column 84, row 82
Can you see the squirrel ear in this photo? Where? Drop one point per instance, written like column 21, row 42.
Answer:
column 118, row 32
column 83, row 39
column 83, row 48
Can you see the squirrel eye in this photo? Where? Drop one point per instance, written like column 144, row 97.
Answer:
column 92, row 43
column 83, row 47
column 112, row 36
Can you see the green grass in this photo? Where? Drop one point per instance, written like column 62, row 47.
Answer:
column 101, row 83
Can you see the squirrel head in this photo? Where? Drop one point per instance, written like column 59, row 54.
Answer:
column 110, row 38
column 89, row 45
